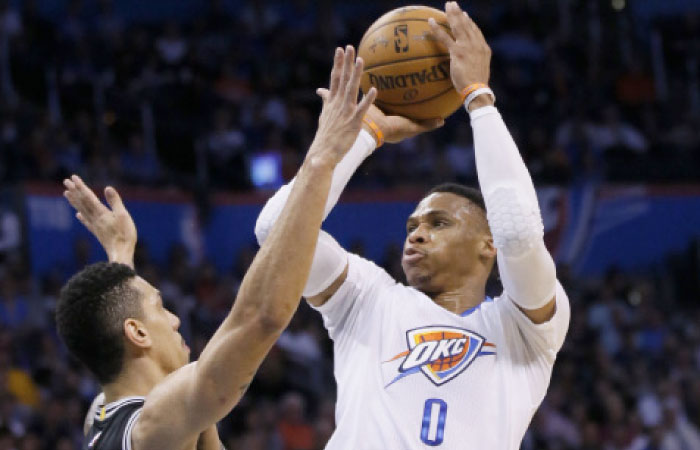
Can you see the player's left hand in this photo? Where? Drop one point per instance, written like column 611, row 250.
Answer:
column 470, row 55
column 341, row 116
column 114, row 228
column 398, row 128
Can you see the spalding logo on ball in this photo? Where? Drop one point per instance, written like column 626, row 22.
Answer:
column 408, row 66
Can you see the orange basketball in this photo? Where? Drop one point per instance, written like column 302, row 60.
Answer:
column 408, row 66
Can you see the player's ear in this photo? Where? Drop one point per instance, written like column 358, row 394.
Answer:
column 488, row 249
column 136, row 333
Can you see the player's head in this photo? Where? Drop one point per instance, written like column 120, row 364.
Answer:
column 448, row 240
column 107, row 316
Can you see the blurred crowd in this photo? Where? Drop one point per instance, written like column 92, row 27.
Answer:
column 589, row 89
column 628, row 377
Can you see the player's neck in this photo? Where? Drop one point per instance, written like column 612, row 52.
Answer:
column 462, row 298
column 138, row 378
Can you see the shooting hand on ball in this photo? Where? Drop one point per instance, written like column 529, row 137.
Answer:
column 397, row 128
column 470, row 55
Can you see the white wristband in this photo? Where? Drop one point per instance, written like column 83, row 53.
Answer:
column 478, row 92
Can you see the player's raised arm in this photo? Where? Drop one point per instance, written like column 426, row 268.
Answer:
column 526, row 267
column 202, row 393
column 329, row 267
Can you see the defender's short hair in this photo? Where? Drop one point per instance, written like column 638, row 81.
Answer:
column 90, row 314
column 470, row 193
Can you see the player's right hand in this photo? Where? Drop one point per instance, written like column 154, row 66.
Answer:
column 114, row 228
column 470, row 55
column 398, row 128
column 341, row 115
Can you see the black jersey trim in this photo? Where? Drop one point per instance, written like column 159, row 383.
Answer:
column 113, row 407
column 126, row 439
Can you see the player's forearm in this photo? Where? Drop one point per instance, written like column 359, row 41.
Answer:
column 527, row 269
column 283, row 263
column 361, row 149
column 268, row 296
column 498, row 161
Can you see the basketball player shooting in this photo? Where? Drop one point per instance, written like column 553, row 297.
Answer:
column 115, row 322
column 438, row 363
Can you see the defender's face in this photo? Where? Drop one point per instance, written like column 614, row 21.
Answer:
column 443, row 241
column 167, row 345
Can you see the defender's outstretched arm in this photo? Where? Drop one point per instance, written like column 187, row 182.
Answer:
column 202, row 393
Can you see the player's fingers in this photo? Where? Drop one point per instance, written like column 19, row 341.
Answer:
column 412, row 127
column 86, row 201
column 366, row 102
column 84, row 191
column 69, row 196
column 455, row 19
column 114, row 199
column 323, row 93
column 354, row 84
column 431, row 124
column 336, row 71
column 440, row 33
column 82, row 220
column 474, row 29
column 348, row 63
column 74, row 199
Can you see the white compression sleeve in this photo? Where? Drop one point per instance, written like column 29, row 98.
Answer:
column 330, row 258
column 526, row 267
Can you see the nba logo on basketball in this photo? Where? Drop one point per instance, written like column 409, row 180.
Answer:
column 401, row 38
column 440, row 352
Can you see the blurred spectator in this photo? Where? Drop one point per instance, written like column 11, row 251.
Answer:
column 296, row 432
column 226, row 78
column 614, row 133
column 10, row 20
column 10, row 231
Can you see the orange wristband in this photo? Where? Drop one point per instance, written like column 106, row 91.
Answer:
column 471, row 88
column 375, row 129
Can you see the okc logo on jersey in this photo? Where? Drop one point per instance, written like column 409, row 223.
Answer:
column 440, row 352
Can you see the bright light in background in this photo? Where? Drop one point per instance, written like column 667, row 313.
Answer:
column 266, row 170
column 618, row 5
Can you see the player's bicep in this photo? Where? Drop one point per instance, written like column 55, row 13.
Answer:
column 323, row 297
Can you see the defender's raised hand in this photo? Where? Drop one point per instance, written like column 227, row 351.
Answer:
column 341, row 116
column 470, row 55
column 114, row 227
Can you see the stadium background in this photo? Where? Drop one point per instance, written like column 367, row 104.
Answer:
column 195, row 110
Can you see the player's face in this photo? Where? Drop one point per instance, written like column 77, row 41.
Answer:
column 445, row 237
column 168, row 347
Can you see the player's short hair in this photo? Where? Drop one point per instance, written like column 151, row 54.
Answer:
column 90, row 314
column 470, row 193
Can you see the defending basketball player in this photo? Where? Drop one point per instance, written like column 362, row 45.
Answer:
column 115, row 322
column 438, row 363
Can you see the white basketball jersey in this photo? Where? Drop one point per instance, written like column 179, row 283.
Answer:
column 412, row 375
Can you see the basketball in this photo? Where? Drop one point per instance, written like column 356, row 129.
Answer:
column 408, row 66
